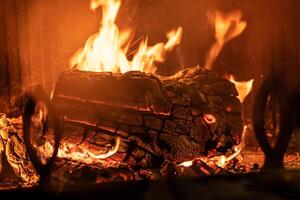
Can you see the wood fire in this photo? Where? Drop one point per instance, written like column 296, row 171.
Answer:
column 112, row 118
column 122, row 113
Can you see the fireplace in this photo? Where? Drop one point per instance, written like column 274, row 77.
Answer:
column 137, row 99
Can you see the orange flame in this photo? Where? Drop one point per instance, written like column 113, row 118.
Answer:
column 107, row 49
column 243, row 87
column 227, row 27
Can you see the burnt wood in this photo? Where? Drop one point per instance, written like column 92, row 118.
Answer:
column 155, row 118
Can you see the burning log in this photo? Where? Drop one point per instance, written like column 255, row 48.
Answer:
column 142, row 119
column 131, row 126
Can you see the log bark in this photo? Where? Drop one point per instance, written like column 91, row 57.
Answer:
column 160, row 122
column 156, row 118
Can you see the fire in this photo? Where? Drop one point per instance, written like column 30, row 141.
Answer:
column 222, row 159
column 243, row 87
column 68, row 150
column 78, row 153
column 186, row 163
column 227, row 27
column 107, row 50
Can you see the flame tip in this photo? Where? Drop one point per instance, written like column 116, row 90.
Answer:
column 243, row 87
column 227, row 27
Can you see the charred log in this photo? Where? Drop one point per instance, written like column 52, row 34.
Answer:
column 132, row 126
column 178, row 118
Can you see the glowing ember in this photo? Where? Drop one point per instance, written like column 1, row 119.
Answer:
column 77, row 153
column 222, row 159
column 209, row 118
column 186, row 163
column 227, row 27
column 107, row 49
column 243, row 87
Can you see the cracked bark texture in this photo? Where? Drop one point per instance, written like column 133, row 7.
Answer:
column 161, row 121
column 157, row 118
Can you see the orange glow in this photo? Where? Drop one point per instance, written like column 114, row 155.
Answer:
column 186, row 163
column 107, row 49
column 227, row 26
column 243, row 87
column 209, row 118
column 78, row 153
column 222, row 159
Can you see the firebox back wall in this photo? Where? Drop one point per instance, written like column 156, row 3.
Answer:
column 38, row 37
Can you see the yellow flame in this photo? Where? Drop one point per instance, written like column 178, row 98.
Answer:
column 243, row 87
column 107, row 49
column 227, row 26
column 174, row 38
column 186, row 163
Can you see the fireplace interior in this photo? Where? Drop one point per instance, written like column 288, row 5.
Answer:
column 150, row 99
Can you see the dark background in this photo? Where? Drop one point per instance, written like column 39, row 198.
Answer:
column 37, row 38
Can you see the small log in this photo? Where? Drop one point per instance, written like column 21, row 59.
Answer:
column 13, row 153
column 155, row 118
